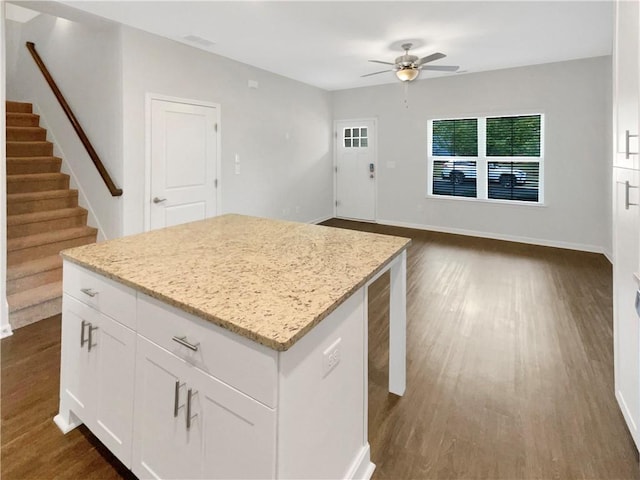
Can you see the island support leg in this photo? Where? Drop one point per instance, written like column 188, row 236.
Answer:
column 398, row 325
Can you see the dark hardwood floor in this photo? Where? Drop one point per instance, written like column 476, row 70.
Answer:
column 510, row 373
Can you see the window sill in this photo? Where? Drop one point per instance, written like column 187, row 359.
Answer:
column 497, row 202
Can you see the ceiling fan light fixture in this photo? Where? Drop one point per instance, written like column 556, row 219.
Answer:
column 407, row 74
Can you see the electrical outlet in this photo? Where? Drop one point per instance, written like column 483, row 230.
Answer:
column 331, row 357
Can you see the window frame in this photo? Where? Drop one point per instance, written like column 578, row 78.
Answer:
column 482, row 160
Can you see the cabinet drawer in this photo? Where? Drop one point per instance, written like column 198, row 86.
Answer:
column 108, row 297
column 237, row 361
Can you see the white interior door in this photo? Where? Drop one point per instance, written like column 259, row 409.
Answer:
column 183, row 163
column 356, row 169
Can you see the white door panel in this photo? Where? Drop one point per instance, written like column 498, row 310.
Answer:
column 183, row 163
column 356, row 169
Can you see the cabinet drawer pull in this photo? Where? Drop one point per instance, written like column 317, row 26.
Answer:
column 82, row 327
column 627, row 136
column 91, row 329
column 89, row 291
column 190, row 394
column 183, row 341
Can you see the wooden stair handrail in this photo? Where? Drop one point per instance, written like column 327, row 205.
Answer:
column 115, row 191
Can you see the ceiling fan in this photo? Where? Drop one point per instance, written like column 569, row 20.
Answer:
column 407, row 67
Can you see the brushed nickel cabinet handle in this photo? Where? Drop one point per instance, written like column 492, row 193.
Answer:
column 183, row 341
column 627, row 136
column 176, row 398
column 82, row 327
column 190, row 395
column 91, row 329
column 627, row 203
column 89, row 291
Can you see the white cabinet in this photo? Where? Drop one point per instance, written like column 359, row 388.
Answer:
column 179, row 397
column 96, row 377
column 626, row 238
column 626, row 85
column 191, row 425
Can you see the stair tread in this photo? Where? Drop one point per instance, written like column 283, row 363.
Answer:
column 47, row 194
column 23, row 218
column 29, row 177
column 35, row 158
column 31, row 267
column 20, row 243
column 34, row 296
column 12, row 106
column 21, row 142
column 24, row 128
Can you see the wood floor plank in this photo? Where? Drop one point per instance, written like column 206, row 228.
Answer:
column 509, row 373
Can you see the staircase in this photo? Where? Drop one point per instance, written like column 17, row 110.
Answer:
column 43, row 218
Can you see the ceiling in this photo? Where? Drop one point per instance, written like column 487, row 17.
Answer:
column 327, row 44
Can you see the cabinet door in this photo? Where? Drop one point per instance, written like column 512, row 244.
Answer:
column 239, row 432
column 163, row 446
column 78, row 365
column 114, row 345
column 626, row 238
column 626, row 82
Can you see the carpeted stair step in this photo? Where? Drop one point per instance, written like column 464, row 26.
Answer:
column 23, row 249
column 18, row 107
column 37, row 182
column 22, row 119
column 24, row 165
column 29, row 306
column 47, row 221
column 29, row 149
column 19, row 203
column 26, row 134
column 34, row 273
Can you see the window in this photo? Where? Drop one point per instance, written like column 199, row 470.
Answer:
column 490, row 158
column 356, row 137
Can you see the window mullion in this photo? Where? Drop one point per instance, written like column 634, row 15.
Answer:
column 482, row 159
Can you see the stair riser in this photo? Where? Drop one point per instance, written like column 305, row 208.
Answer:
column 26, row 149
column 20, row 135
column 33, row 281
column 22, row 120
column 18, row 208
column 39, row 251
column 14, row 231
column 18, row 107
column 27, row 316
column 33, row 166
column 38, row 186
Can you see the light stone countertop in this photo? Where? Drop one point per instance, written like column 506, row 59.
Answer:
column 268, row 280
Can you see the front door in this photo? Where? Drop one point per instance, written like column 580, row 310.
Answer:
column 356, row 169
column 183, row 163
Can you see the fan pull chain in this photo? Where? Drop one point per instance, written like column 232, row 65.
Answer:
column 406, row 94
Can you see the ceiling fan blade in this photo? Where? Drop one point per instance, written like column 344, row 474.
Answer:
column 441, row 68
column 430, row 58
column 380, row 61
column 376, row 73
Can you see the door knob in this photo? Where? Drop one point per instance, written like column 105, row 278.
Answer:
column 159, row 200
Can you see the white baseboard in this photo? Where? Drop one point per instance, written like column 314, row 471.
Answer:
column 497, row 236
column 320, row 220
column 64, row 426
column 362, row 468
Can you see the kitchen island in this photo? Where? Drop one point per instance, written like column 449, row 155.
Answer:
column 234, row 347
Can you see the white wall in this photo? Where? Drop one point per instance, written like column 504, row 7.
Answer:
column 575, row 97
column 281, row 131
column 84, row 60
column 5, row 327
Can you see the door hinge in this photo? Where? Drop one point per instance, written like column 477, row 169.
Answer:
column 335, row 134
column 337, row 203
column 215, row 183
column 216, row 127
column 336, row 169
